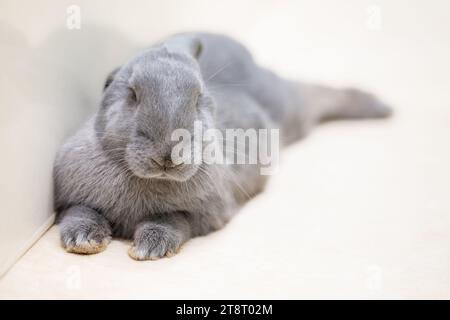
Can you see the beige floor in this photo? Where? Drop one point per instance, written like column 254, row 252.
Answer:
column 358, row 210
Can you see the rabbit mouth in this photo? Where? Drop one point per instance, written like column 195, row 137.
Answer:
column 168, row 176
column 147, row 166
column 179, row 173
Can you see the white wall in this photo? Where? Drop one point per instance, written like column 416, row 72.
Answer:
column 51, row 77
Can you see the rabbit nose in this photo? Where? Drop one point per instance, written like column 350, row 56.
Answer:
column 164, row 163
column 157, row 163
column 168, row 163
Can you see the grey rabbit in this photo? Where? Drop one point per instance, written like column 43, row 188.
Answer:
column 115, row 176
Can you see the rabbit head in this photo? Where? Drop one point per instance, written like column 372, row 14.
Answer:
column 145, row 100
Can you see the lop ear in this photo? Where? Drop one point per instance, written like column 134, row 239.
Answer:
column 185, row 43
column 110, row 78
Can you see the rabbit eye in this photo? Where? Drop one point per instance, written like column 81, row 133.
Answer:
column 197, row 100
column 132, row 94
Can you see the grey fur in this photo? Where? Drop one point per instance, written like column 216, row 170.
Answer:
column 108, row 175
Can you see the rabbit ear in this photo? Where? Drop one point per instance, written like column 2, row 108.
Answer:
column 110, row 78
column 185, row 43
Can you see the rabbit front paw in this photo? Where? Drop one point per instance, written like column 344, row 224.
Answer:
column 154, row 241
column 84, row 241
column 84, row 231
